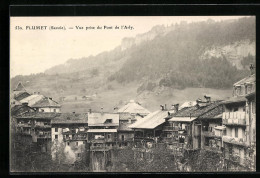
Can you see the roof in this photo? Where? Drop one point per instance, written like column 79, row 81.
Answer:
column 182, row 119
column 32, row 99
column 71, row 118
column 220, row 127
column 133, row 108
column 38, row 115
column 20, row 109
column 151, row 121
column 188, row 104
column 101, row 130
column 215, row 113
column 46, row 102
column 249, row 79
column 250, row 95
column 19, row 87
column 20, row 95
column 196, row 111
column 236, row 99
column 100, row 119
column 126, row 116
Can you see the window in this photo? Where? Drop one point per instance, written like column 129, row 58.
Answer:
column 108, row 136
column 236, row 132
column 78, row 155
column 68, row 143
column 77, row 144
column 123, row 137
column 42, row 110
column 56, row 129
column 56, row 136
column 54, row 110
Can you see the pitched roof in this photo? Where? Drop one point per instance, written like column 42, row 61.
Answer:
column 19, row 87
column 196, row 111
column 126, row 116
column 133, row 108
column 20, row 95
column 20, row 109
column 151, row 121
column 100, row 119
column 70, row 118
column 249, row 79
column 46, row 102
column 215, row 113
column 188, row 104
column 32, row 99
column 101, row 130
column 182, row 119
column 38, row 115
column 236, row 99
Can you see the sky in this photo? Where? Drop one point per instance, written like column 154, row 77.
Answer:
column 34, row 51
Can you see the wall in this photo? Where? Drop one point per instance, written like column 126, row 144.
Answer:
column 49, row 110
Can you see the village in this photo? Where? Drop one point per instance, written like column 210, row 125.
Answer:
column 224, row 130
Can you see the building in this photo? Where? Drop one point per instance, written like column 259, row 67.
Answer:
column 102, row 137
column 189, row 123
column 239, row 119
column 35, row 128
column 19, row 92
column 46, row 104
column 148, row 134
column 70, row 131
column 133, row 108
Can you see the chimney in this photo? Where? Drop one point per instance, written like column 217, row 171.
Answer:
column 73, row 112
column 176, row 107
column 208, row 98
column 50, row 98
column 102, row 110
column 90, row 111
column 165, row 107
column 251, row 69
column 162, row 107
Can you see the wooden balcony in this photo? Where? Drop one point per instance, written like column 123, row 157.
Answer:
column 212, row 149
column 101, row 148
column 238, row 122
column 42, row 126
column 234, row 118
column 44, row 136
column 24, row 125
column 209, row 134
column 171, row 129
column 236, row 141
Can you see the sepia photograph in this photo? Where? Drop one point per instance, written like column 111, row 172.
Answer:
column 132, row 94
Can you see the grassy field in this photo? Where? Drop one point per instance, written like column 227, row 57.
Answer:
column 150, row 100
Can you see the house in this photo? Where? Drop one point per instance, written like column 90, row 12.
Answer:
column 70, row 131
column 240, row 124
column 212, row 129
column 148, row 133
column 35, row 128
column 102, row 137
column 19, row 92
column 47, row 104
column 187, row 123
column 133, row 108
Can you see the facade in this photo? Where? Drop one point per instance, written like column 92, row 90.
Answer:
column 239, row 120
column 102, row 138
column 69, row 135
column 35, row 128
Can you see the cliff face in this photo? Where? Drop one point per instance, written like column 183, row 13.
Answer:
column 234, row 52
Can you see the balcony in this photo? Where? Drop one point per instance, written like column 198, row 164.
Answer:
column 42, row 126
column 170, row 128
column 75, row 138
column 213, row 149
column 234, row 118
column 209, row 134
column 101, row 148
column 44, row 136
column 236, row 141
column 24, row 125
